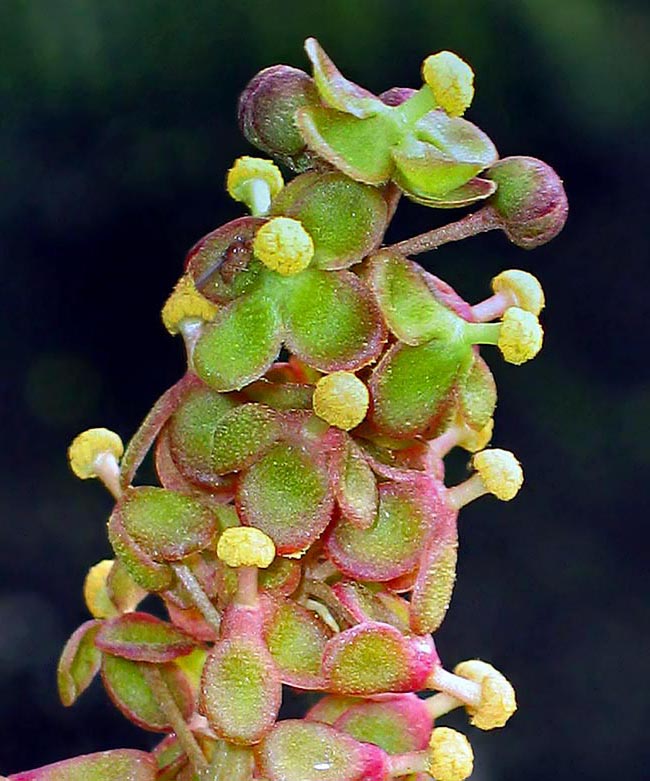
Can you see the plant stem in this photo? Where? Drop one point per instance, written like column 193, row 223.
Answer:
column 199, row 597
column 169, row 707
column 481, row 221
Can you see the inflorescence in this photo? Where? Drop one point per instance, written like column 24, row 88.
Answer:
column 303, row 534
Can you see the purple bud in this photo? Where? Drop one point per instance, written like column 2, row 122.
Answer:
column 267, row 109
column 395, row 96
column 530, row 200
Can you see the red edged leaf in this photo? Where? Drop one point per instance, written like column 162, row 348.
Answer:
column 147, row 573
column 397, row 724
column 222, row 489
column 242, row 436
column 143, row 638
column 367, row 605
column 296, row 639
column 372, row 658
column 167, row 525
column 332, row 320
column 280, row 395
column 287, row 495
column 191, row 430
column 170, row 758
column 298, row 750
column 436, row 575
column 79, row 663
column 337, row 91
column 346, row 219
column 356, row 487
column 117, row 765
column 477, row 394
column 190, row 621
column 391, row 546
column 475, row 190
column 222, row 263
column 330, row 707
column 240, row 689
column 150, row 427
column 122, row 590
column 126, row 684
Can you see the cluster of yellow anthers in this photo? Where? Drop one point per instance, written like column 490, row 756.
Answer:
column 451, row 80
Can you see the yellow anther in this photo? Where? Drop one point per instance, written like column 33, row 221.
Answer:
column 96, row 595
column 186, row 303
column 245, row 546
column 451, row 755
column 477, row 440
column 341, row 399
column 524, row 288
column 520, row 336
column 500, row 472
column 283, row 245
column 451, row 80
column 91, row 445
column 498, row 701
column 247, row 170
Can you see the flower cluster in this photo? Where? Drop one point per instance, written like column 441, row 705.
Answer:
column 303, row 534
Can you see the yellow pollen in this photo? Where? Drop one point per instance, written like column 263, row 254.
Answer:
column 248, row 169
column 477, row 440
column 450, row 755
column 341, row 399
column 95, row 591
column 88, row 446
column 245, row 546
column 451, row 80
column 500, row 472
column 283, row 245
column 498, row 701
column 524, row 288
column 521, row 335
column 184, row 303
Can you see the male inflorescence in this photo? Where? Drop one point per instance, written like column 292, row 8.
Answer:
column 304, row 535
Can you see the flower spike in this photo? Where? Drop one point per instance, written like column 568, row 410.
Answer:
column 451, row 80
column 95, row 453
column 283, row 245
column 255, row 182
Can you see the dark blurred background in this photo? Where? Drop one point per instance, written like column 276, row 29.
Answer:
column 117, row 127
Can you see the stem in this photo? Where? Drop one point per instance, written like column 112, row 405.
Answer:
column 441, row 703
column 462, row 689
column 492, row 307
column 466, row 492
column 199, row 597
column 169, row 707
column 485, row 219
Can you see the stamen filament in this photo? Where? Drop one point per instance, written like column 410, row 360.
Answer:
column 169, row 707
column 108, row 471
column 462, row 689
column 247, row 593
column 482, row 333
column 460, row 495
column 199, row 597
column 259, row 197
column 411, row 762
column 493, row 307
column 442, row 703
